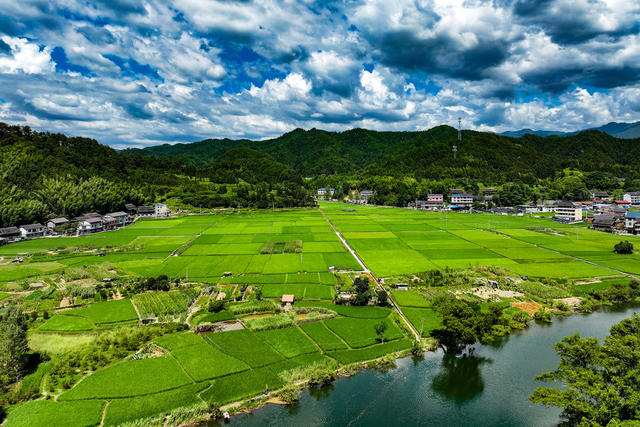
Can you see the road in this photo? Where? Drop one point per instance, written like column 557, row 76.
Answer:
column 367, row 272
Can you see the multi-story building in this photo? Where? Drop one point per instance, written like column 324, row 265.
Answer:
column 161, row 210
column 632, row 197
column 365, row 195
column 462, row 199
column 632, row 222
column 569, row 212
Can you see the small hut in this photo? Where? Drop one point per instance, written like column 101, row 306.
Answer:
column 287, row 300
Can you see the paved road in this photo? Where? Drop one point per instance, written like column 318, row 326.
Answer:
column 368, row 273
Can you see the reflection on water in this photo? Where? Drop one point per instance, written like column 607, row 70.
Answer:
column 459, row 378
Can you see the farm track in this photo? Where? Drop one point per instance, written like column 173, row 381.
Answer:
column 367, row 272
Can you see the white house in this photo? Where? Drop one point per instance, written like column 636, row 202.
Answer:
column 326, row 193
column 569, row 211
column 161, row 210
column 365, row 195
column 632, row 222
column 90, row 225
column 632, row 197
column 32, row 230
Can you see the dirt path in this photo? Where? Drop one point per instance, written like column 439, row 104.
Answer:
column 136, row 308
column 367, row 272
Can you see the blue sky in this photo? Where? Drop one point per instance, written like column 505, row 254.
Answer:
column 137, row 73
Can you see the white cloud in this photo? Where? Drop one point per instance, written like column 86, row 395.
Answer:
column 25, row 57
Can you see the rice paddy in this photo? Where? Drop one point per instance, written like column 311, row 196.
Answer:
column 286, row 252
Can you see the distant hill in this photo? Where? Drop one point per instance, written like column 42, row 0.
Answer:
column 618, row 130
column 426, row 154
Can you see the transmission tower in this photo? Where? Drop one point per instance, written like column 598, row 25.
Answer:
column 455, row 147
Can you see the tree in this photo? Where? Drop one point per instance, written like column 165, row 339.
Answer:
column 13, row 344
column 380, row 328
column 383, row 298
column 258, row 293
column 623, row 248
column 600, row 381
column 363, row 293
column 463, row 323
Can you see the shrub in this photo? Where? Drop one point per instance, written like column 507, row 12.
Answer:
column 543, row 315
column 289, row 394
column 625, row 247
column 216, row 306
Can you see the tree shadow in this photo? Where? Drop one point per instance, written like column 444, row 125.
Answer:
column 459, row 378
column 320, row 393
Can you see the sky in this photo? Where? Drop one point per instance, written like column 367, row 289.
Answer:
column 138, row 73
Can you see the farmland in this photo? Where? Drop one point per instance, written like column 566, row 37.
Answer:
column 173, row 271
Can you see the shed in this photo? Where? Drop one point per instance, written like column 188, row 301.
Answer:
column 287, row 299
column 402, row 287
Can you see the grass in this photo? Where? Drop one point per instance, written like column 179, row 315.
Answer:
column 361, row 332
column 67, row 323
column 56, row 414
column 368, row 353
column 252, row 307
column 268, row 322
column 130, row 378
column 245, row 346
column 123, row 410
column 290, row 342
column 326, row 339
column 210, row 317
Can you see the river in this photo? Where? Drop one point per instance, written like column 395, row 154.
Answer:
column 491, row 388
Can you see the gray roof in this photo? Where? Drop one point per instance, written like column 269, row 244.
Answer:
column 146, row 209
column 59, row 220
column 93, row 220
column 117, row 214
column 130, row 206
column 32, row 226
column 9, row 230
column 633, row 193
column 600, row 194
column 604, row 220
column 564, row 204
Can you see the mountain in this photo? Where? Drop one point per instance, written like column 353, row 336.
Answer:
column 427, row 154
column 618, row 130
column 45, row 175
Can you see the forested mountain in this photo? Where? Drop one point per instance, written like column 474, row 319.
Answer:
column 481, row 155
column 44, row 175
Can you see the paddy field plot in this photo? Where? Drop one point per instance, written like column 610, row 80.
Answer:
column 402, row 241
column 130, row 378
column 91, row 317
column 246, row 346
column 122, row 410
column 56, row 414
column 361, row 332
column 326, row 339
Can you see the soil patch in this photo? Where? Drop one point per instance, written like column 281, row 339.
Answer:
column 528, row 307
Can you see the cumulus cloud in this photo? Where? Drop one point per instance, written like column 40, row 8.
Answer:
column 138, row 73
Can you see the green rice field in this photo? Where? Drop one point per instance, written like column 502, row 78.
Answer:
column 278, row 252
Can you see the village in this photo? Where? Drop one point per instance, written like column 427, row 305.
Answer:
column 601, row 213
column 87, row 223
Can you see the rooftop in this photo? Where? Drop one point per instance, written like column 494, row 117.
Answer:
column 287, row 298
column 31, row 226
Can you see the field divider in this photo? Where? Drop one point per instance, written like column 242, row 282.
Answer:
column 367, row 272
column 104, row 413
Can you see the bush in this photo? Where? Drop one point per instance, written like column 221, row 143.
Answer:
column 543, row 315
column 216, row 306
column 289, row 394
column 623, row 248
